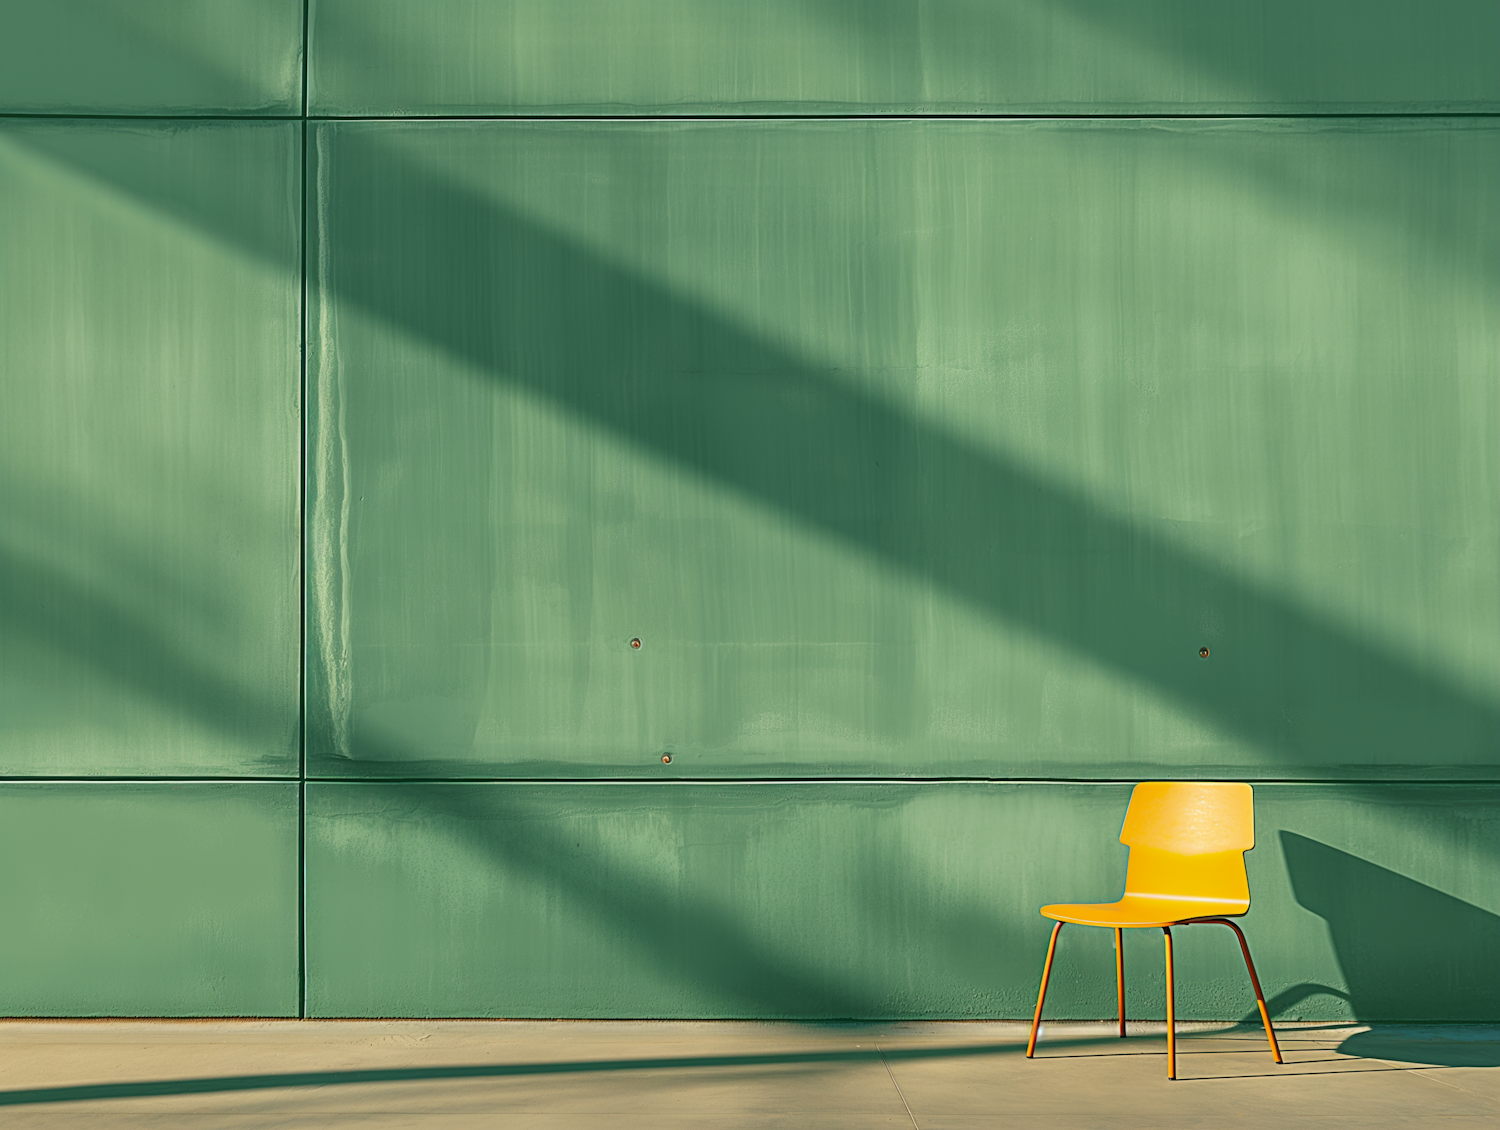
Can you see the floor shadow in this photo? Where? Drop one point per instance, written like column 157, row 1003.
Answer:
column 1407, row 951
column 1437, row 1048
column 136, row 1089
column 1349, row 1068
column 218, row 1084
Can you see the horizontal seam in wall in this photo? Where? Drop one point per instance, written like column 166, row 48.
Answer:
column 6, row 779
column 893, row 117
column 59, row 116
column 1443, row 782
column 1448, row 783
column 910, row 116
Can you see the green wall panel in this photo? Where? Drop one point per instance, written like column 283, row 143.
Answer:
column 889, row 900
column 148, row 899
column 383, row 57
column 905, row 448
column 150, row 285
column 151, row 57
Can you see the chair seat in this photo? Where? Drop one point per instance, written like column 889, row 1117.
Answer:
column 1136, row 910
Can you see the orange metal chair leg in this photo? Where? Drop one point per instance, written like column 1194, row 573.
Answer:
column 1260, row 997
column 1036, row 1020
column 1171, row 1010
column 1120, row 975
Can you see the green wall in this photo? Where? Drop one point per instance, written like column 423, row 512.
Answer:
column 808, row 899
column 922, row 410
column 149, row 898
column 149, row 448
column 907, row 448
column 1085, row 57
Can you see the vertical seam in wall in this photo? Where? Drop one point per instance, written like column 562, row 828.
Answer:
column 302, row 567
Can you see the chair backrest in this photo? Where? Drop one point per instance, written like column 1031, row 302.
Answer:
column 1188, row 840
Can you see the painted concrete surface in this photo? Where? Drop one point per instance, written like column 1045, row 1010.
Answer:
column 737, row 57
column 903, row 448
column 154, row 898
column 148, row 448
column 151, row 57
column 454, row 1074
column 901, row 56
column 909, row 448
column 808, row 900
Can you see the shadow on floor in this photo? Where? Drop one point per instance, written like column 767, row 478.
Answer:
column 216, row 1084
column 1414, row 1046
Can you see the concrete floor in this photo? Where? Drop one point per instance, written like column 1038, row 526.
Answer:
column 451, row 1074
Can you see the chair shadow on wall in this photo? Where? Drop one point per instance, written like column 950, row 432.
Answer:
column 1406, row 950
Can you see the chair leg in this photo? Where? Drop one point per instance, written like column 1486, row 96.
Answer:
column 1036, row 1020
column 1171, row 1010
column 1260, row 997
column 1120, row 975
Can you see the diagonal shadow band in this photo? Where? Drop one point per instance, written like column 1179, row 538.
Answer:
column 688, row 941
column 533, row 308
column 994, row 533
column 45, row 607
column 218, row 1084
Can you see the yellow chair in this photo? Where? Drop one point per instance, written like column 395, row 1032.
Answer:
column 1187, row 845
